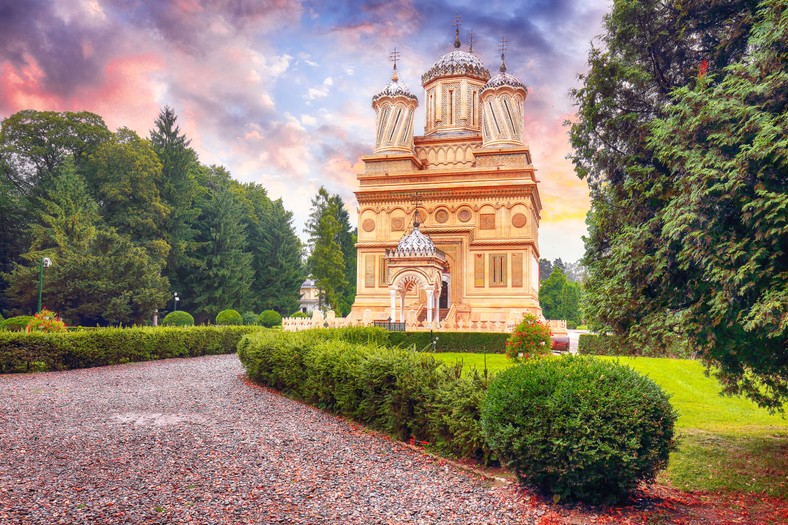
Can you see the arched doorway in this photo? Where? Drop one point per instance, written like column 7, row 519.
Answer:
column 443, row 301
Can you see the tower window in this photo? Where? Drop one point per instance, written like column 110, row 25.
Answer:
column 473, row 108
column 451, row 106
column 394, row 127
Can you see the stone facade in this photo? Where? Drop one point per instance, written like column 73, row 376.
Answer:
column 472, row 182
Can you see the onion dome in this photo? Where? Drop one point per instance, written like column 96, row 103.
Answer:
column 456, row 62
column 503, row 79
column 415, row 242
column 395, row 88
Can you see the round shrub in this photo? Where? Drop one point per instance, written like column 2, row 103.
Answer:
column 579, row 427
column 269, row 319
column 530, row 338
column 301, row 315
column 17, row 324
column 249, row 318
column 229, row 317
column 178, row 318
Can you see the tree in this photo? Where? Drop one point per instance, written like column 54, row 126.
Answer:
column 34, row 144
column 126, row 175
column 560, row 298
column 279, row 282
column 641, row 282
column 224, row 275
column 725, row 140
column 98, row 276
column 545, row 267
column 15, row 216
column 344, row 289
column 178, row 189
column 327, row 262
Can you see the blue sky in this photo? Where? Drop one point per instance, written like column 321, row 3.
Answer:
column 279, row 91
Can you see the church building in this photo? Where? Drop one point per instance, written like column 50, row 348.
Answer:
column 448, row 221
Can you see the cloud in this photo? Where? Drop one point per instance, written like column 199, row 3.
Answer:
column 321, row 92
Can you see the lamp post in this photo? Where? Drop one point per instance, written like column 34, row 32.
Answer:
column 45, row 262
column 175, row 301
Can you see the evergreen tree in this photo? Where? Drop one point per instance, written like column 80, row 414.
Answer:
column 126, row 175
column 545, row 268
column 98, row 276
column 659, row 269
column 224, row 276
column 279, row 281
column 725, row 141
column 178, row 189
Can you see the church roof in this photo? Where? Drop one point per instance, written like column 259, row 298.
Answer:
column 415, row 241
column 503, row 79
column 456, row 62
column 395, row 88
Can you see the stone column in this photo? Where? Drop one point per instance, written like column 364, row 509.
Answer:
column 430, row 302
column 402, row 307
column 438, row 307
column 393, row 316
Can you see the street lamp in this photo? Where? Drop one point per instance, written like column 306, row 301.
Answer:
column 175, row 302
column 45, row 262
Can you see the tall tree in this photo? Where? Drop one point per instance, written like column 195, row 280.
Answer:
column 641, row 281
column 98, row 276
column 278, row 264
column 725, row 141
column 545, row 268
column 325, row 204
column 224, row 276
column 34, row 144
column 126, row 174
column 179, row 187
column 560, row 298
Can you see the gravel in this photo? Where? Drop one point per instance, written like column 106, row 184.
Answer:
column 190, row 441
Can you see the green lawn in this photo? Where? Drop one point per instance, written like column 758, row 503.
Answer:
column 724, row 443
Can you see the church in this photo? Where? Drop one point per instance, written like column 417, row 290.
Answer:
column 448, row 222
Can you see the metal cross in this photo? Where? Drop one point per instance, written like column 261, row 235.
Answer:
column 457, row 21
column 394, row 57
column 471, row 36
column 502, row 45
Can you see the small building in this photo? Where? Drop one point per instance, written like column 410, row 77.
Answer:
column 310, row 297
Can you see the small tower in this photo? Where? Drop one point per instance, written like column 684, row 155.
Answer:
column 394, row 108
column 502, row 100
column 451, row 89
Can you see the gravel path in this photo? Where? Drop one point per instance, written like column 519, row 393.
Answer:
column 189, row 441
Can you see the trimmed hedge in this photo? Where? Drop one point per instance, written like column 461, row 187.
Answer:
column 39, row 351
column 178, row 318
column 476, row 342
column 16, row 324
column 229, row 317
column 613, row 345
column 579, row 427
column 269, row 318
column 349, row 372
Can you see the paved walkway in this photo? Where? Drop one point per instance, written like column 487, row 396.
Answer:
column 189, row 441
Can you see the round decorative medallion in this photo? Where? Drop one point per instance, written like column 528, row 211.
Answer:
column 518, row 220
column 441, row 216
column 397, row 224
column 464, row 215
column 368, row 225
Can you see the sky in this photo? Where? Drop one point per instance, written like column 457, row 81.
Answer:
column 279, row 91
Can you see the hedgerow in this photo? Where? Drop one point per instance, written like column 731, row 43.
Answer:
column 351, row 372
column 22, row 352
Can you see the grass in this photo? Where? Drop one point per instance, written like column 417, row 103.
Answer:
column 725, row 443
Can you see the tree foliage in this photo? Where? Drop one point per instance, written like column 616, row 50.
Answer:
column 127, row 221
column 332, row 261
column 560, row 298
column 679, row 129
